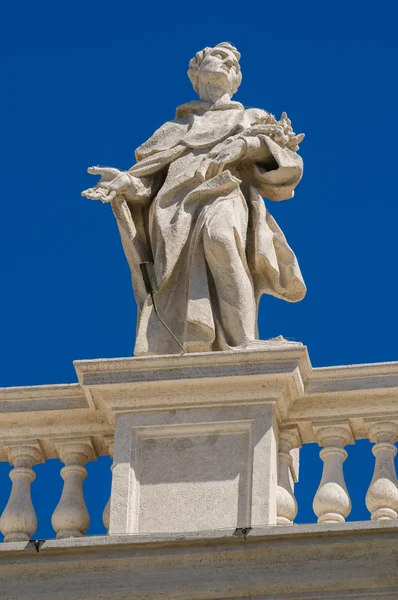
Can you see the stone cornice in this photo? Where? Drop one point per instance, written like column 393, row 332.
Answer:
column 277, row 358
column 274, row 374
column 42, row 398
column 358, row 378
column 280, row 373
column 47, row 412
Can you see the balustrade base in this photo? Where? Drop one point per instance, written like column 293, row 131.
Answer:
column 384, row 514
column 68, row 533
column 283, row 521
column 17, row 536
column 331, row 518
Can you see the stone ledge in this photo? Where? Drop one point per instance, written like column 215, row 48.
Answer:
column 303, row 562
column 257, row 535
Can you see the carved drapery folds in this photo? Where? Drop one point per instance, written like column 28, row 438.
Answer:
column 382, row 496
column 332, row 503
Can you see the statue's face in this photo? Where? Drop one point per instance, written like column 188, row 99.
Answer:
column 219, row 67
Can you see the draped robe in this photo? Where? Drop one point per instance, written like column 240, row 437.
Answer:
column 215, row 247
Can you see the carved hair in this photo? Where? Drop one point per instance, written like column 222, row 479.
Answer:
column 194, row 65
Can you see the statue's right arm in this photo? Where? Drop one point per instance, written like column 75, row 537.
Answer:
column 140, row 190
column 145, row 187
column 115, row 183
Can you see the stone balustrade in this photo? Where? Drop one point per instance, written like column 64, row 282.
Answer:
column 45, row 422
column 200, row 442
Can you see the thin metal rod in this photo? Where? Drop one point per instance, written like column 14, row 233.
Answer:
column 164, row 324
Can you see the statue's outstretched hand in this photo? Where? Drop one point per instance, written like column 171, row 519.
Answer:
column 112, row 183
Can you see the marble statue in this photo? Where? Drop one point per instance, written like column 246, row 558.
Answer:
column 193, row 206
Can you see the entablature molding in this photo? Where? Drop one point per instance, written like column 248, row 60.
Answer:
column 280, row 374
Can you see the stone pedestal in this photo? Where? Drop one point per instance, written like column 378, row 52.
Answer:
column 196, row 436
column 191, row 470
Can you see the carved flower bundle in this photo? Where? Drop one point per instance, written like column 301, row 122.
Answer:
column 280, row 131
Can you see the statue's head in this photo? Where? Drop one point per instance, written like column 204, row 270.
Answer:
column 218, row 66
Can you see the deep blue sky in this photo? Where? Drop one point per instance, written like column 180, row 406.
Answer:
column 85, row 83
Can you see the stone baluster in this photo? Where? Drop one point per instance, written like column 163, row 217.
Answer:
column 71, row 518
column 382, row 496
column 107, row 509
column 286, row 505
column 332, row 503
column 18, row 521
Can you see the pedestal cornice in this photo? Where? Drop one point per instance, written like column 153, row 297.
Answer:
column 274, row 374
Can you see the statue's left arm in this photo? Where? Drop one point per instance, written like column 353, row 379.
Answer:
column 258, row 160
column 274, row 170
column 263, row 154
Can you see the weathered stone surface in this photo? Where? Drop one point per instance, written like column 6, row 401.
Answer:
column 350, row 560
column 193, row 206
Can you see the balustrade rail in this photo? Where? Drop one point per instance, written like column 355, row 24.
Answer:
column 335, row 408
